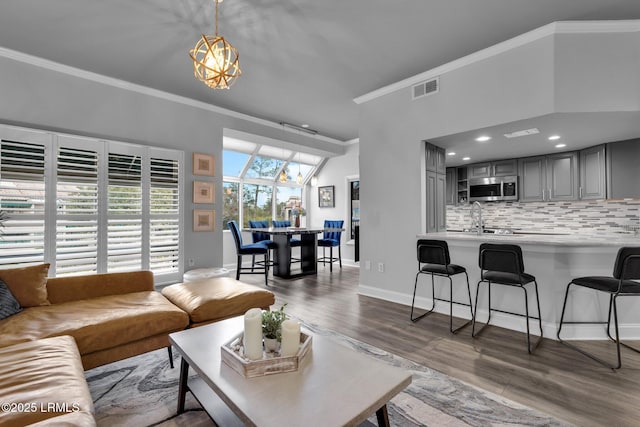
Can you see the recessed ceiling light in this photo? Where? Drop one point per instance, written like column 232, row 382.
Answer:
column 451, row 153
column 466, row 158
column 304, row 125
column 561, row 145
column 483, row 138
column 554, row 137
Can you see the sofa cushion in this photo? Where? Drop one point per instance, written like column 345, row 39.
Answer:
column 27, row 284
column 44, row 380
column 97, row 323
column 217, row 298
column 9, row 305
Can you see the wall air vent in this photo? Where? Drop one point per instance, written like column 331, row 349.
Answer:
column 520, row 133
column 425, row 88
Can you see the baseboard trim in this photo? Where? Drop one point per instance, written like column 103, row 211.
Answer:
column 569, row 332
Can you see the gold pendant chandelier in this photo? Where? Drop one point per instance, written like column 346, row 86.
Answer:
column 215, row 61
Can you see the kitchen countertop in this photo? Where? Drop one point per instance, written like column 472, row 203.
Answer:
column 540, row 239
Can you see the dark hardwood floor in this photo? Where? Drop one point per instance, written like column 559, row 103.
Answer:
column 555, row 379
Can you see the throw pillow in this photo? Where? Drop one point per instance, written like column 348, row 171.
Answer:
column 8, row 303
column 27, row 284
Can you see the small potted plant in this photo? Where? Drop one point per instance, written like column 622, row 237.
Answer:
column 272, row 328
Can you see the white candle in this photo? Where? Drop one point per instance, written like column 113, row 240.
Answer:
column 252, row 339
column 290, row 338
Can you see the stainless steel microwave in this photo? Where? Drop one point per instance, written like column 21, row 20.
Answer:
column 495, row 188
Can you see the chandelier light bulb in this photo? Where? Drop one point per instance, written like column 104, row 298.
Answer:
column 283, row 176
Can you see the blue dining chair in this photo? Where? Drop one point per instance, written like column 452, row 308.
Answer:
column 331, row 239
column 260, row 237
column 252, row 249
column 286, row 223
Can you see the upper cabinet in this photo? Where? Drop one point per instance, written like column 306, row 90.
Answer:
column 562, row 176
column 497, row 168
column 549, row 178
column 451, row 194
column 436, row 208
column 479, row 170
column 592, row 173
column 623, row 172
column 435, row 159
column 532, row 179
column 507, row 167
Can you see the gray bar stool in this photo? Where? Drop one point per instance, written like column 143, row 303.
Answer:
column 434, row 259
column 503, row 265
column 625, row 270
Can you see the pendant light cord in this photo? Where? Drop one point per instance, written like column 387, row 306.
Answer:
column 217, row 1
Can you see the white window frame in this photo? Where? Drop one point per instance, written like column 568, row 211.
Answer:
column 52, row 142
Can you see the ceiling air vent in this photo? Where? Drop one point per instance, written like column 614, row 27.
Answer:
column 425, row 88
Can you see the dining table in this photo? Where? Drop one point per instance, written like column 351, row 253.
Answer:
column 308, row 245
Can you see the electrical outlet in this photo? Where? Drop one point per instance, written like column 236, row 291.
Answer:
column 367, row 265
column 191, row 262
column 381, row 267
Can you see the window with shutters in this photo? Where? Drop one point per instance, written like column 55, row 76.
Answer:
column 76, row 210
column 89, row 206
column 124, row 243
column 164, row 215
column 22, row 197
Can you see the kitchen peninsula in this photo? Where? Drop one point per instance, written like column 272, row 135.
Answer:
column 554, row 259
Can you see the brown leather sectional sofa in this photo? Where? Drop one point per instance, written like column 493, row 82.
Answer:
column 84, row 322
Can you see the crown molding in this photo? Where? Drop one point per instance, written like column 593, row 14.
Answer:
column 144, row 90
column 559, row 27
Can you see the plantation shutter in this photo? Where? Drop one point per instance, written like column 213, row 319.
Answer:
column 22, row 196
column 164, row 218
column 124, row 211
column 77, row 209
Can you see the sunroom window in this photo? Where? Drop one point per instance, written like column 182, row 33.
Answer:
column 252, row 184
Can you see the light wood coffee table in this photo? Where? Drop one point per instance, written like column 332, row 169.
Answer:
column 334, row 385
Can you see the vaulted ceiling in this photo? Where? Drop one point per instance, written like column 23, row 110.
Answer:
column 303, row 61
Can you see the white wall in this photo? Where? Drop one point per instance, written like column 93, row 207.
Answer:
column 513, row 85
column 335, row 172
column 38, row 97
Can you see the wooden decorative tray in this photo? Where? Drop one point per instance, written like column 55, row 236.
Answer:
column 271, row 363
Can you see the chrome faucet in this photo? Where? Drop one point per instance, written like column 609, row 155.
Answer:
column 476, row 218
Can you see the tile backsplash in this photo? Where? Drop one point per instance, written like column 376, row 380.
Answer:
column 571, row 217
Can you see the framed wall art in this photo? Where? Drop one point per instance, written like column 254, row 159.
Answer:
column 325, row 196
column 204, row 164
column 203, row 219
column 203, row 192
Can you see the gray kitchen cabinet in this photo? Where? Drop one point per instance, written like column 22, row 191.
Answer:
column 549, row 178
column 480, row 170
column 507, row 167
column 463, row 184
column 562, row 176
column 532, row 179
column 432, row 208
column 451, row 195
column 436, row 207
column 592, row 173
column 623, row 171
column 440, row 160
column 498, row 168
column 442, row 207
column 435, row 158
